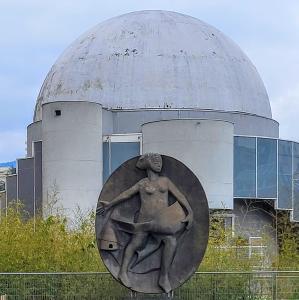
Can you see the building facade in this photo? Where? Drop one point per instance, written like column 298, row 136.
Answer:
column 157, row 81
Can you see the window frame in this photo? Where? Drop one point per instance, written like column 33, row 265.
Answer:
column 120, row 138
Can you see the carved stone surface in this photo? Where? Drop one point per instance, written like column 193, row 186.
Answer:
column 152, row 223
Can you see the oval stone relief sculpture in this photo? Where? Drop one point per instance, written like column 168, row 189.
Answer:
column 152, row 223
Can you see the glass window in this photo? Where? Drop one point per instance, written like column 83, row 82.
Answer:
column 2, row 185
column 284, row 175
column 116, row 153
column 120, row 152
column 244, row 167
column 266, row 168
column 296, row 201
column 296, row 181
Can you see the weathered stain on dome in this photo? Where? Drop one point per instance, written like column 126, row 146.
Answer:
column 156, row 59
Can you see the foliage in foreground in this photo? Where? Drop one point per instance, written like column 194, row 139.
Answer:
column 51, row 245
column 47, row 245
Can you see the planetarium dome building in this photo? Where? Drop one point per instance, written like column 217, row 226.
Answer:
column 156, row 81
column 156, row 59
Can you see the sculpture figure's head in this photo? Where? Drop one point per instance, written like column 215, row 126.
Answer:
column 151, row 161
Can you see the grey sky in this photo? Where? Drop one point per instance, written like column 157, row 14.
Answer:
column 34, row 33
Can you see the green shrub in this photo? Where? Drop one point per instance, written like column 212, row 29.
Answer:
column 52, row 245
column 47, row 245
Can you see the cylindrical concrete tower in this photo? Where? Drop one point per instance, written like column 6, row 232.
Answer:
column 72, row 155
column 34, row 134
column 205, row 146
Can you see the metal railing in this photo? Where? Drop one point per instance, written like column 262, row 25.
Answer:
column 262, row 285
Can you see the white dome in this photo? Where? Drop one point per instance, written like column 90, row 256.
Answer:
column 156, row 59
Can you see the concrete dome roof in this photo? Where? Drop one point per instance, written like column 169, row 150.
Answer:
column 156, row 59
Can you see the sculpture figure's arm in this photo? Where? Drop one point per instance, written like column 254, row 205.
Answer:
column 105, row 205
column 183, row 201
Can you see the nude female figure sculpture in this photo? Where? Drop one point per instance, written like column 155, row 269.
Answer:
column 156, row 217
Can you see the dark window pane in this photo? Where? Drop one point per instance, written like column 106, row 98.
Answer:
column 244, row 167
column 266, row 168
column 106, row 171
column 296, row 201
column 120, row 152
column 284, row 174
column 2, row 185
column 296, row 181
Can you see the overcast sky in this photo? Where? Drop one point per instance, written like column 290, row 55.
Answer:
column 34, row 33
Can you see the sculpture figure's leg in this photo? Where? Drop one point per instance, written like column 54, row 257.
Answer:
column 136, row 242
column 168, row 253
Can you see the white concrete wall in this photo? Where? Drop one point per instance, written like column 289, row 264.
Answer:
column 72, row 155
column 205, row 146
column 125, row 121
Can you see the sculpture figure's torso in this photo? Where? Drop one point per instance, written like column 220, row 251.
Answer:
column 153, row 196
